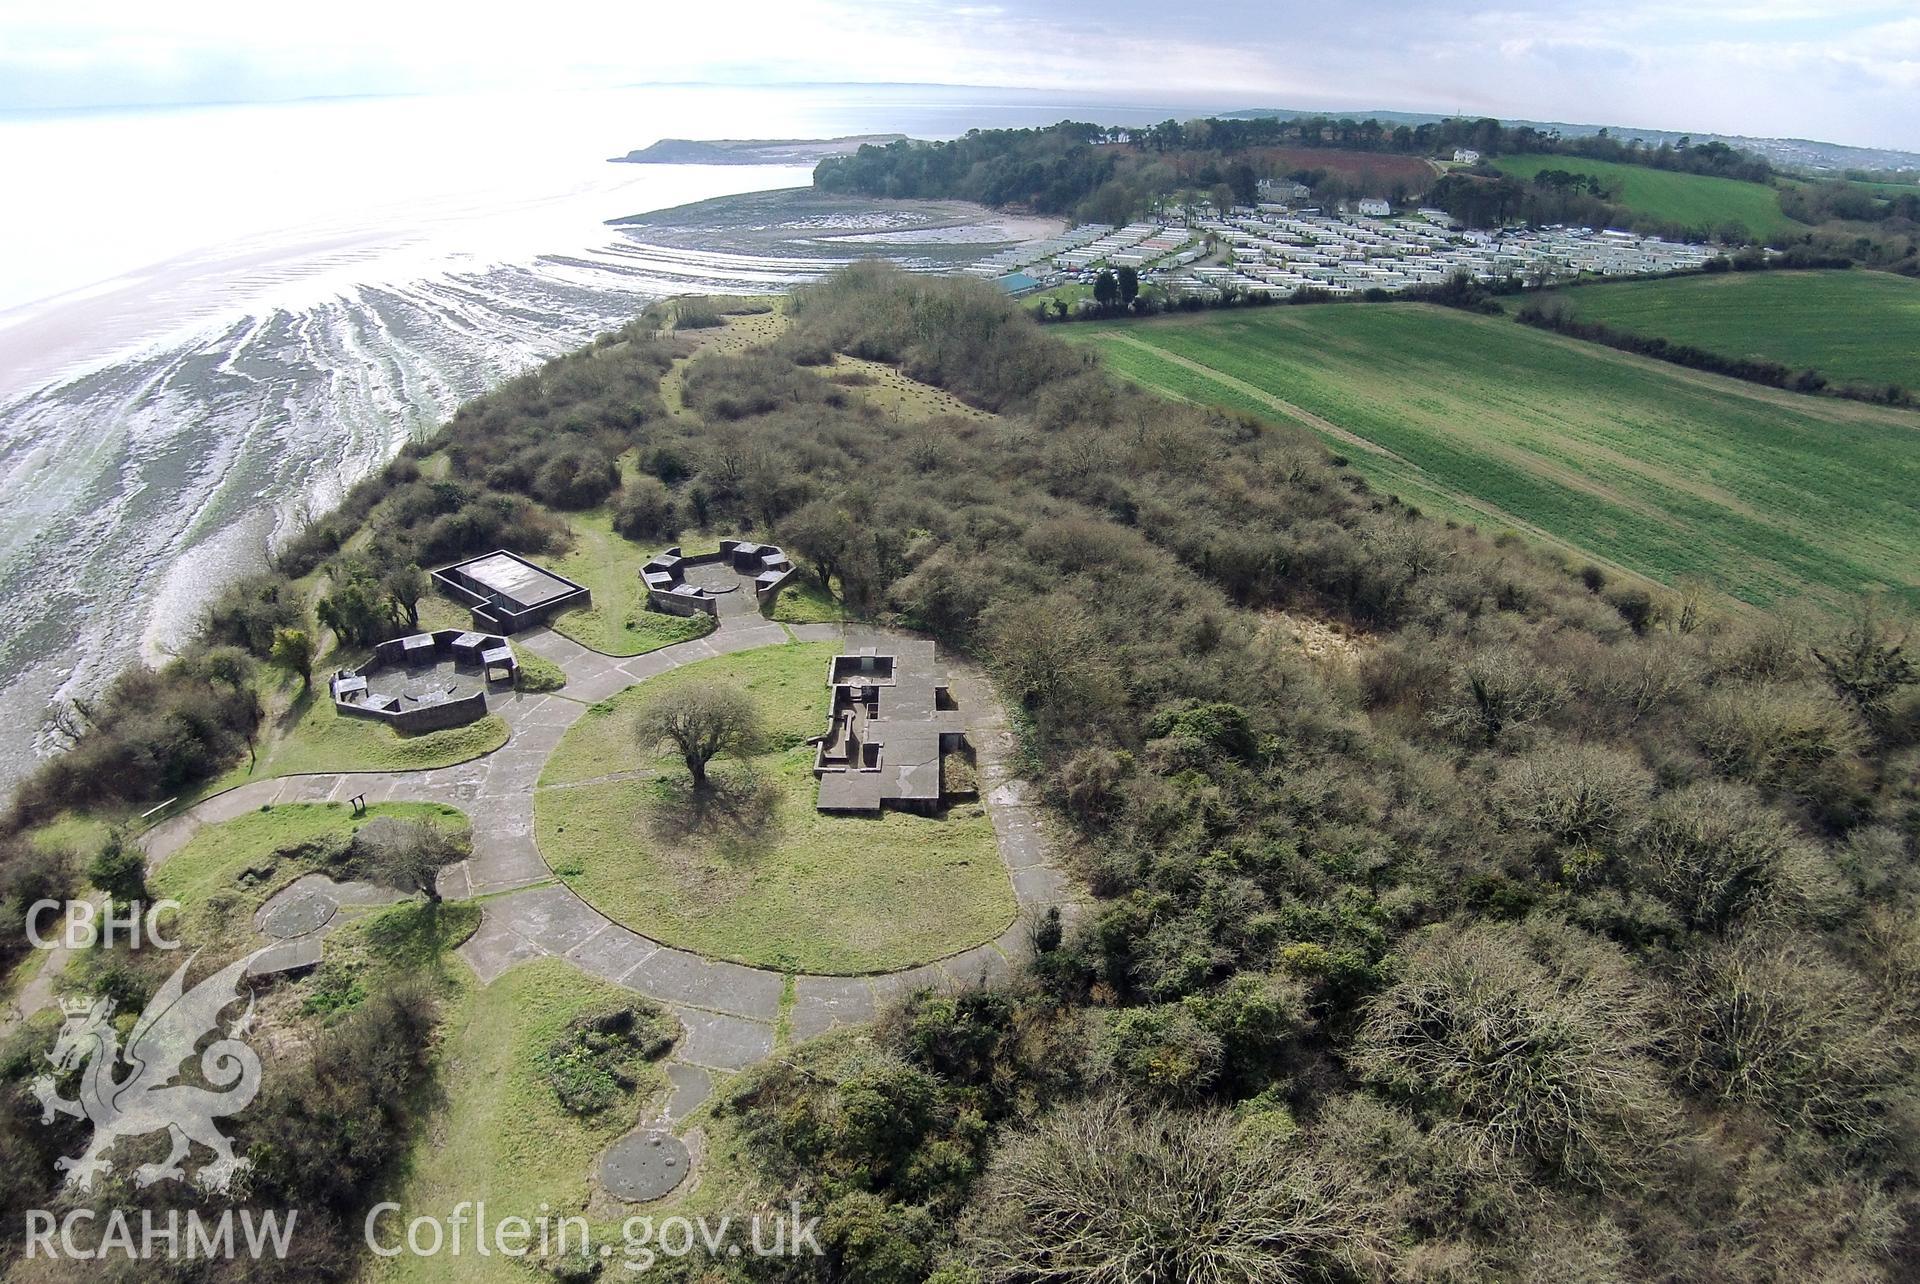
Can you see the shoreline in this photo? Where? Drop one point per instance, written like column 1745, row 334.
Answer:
column 158, row 473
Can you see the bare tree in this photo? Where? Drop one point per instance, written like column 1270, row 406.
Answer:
column 1099, row 1193
column 700, row 720
column 1538, row 1036
column 1868, row 664
column 408, row 855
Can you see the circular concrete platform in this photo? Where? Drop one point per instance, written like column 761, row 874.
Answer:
column 644, row 1166
column 305, row 912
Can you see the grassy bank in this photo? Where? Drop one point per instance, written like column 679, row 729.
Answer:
column 618, row 622
column 1696, row 200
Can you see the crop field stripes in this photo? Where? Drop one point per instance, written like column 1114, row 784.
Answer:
column 1668, row 474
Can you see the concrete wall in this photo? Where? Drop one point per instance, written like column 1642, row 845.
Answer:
column 492, row 616
column 765, row 594
column 424, row 717
column 674, row 604
column 413, row 720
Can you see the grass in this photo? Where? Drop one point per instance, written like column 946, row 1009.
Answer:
column 1853, row 327
column 803, row 601
column 204, row 876
column 536, row 673
column 81, row 832
column 1766, row 495
column 315, row 738
column 770, row 882
column 1695, row 200
column 618, row 622
column 907, row 400
column 501, row 1137
column 412, row 938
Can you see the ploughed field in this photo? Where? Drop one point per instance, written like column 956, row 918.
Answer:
column 1766, row 496
column 1853, row 327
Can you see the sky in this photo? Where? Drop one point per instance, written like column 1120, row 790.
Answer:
column 1837, row 70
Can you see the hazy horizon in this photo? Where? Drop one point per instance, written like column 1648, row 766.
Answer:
column 1359, row 109
column 1844, row 71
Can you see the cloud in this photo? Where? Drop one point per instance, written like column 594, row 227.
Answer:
column 1839, row 69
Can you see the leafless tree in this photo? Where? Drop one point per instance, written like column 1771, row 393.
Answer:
column 408, row 855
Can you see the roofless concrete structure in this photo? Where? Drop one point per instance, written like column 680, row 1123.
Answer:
column 675, row 585
column 893, row 719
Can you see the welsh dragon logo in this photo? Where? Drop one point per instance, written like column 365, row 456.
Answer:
column 150, row 1097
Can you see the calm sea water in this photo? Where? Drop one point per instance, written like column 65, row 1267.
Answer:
column 214, row 319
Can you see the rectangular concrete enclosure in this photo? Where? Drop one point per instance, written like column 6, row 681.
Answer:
column 508, row 593
column 892, row 722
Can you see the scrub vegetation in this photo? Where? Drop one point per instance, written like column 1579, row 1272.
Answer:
column 1559, row 927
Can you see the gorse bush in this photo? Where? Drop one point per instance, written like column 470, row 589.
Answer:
column 1097, row 1192
column 597, row 1060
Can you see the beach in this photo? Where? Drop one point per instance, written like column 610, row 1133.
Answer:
column 164, row 425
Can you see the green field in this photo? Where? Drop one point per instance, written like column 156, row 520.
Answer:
column 760, row 876
column 311, row 736
column 499, row 1134
column 205, row 876
column 1768, row 496
column 618, row 622
column 1852, row 327
column 1696, row 200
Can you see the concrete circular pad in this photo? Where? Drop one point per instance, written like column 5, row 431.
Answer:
column 644, row 1166
column 306, row 912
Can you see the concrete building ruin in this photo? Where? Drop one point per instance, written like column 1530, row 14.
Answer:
column 893, row 721
column 508, row 593
column 425, row 681
column 669, row 588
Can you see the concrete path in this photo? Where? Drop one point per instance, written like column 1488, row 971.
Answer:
column 730, row 1011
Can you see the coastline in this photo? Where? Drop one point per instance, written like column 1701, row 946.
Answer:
column 142, row 480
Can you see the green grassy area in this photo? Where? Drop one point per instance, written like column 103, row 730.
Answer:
column 311, row 736
column 1766, row 495
column 762, row 877
column 1853, row 327
column 204, row 876
column 501, row 1136
column 76, row 832
column 899, row 396
column 618, row 622
column 803, row 601
column 413, row 939
column 1696, row 200
column 536, row 673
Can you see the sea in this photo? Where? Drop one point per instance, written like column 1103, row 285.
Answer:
column 215, row 319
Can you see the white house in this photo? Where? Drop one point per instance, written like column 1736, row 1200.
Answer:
column 1465, row 156
column 1374, row 207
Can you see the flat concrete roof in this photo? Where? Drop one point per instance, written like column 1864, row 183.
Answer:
column 850, row 791
column 517, row 581
column 903, row 720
